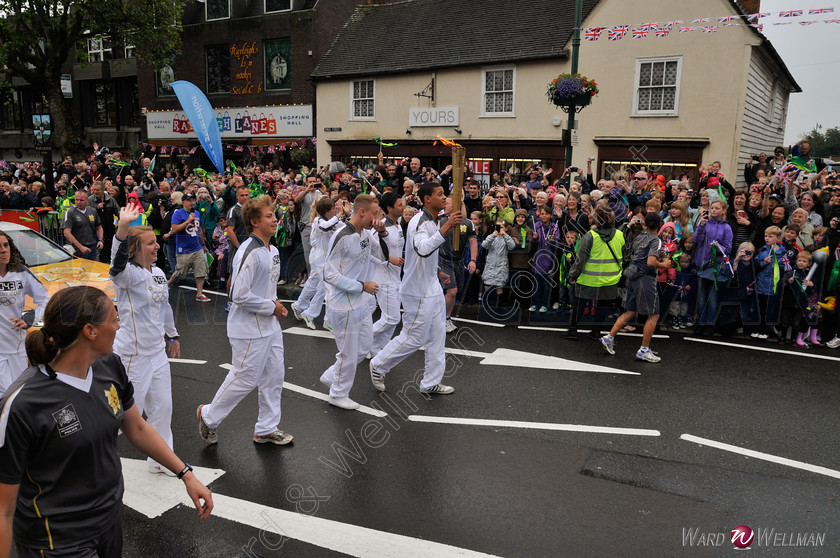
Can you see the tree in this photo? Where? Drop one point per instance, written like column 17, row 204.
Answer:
column 38, row 36
column 824, row 144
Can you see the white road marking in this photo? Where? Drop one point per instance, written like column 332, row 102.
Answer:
column 628, row 334
column 205, row 291
column 466, row 321
column 326, row 397
column 535, row 425
column 152, row 495
column 318, row 395
column 764, row 456
column 322, row 333
column 762, row 349
column 544, row 328
column 187, row 361
column 286, row 300
column 502, row 357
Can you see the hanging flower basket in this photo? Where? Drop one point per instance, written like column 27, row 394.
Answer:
column 571, row 90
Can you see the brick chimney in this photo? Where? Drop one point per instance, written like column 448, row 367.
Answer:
column 750, row 6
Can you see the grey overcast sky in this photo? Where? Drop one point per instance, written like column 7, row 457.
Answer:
column 812, row 56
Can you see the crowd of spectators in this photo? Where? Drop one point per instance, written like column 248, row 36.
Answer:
column 761, row 261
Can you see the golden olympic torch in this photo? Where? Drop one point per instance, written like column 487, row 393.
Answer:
column 459, row 155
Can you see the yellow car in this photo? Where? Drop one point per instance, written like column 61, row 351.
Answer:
column 54, row 266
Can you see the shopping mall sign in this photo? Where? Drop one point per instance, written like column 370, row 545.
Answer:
column 236, row 122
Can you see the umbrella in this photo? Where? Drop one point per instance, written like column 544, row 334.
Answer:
column 337, row 167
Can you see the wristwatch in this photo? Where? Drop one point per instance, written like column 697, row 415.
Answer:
column 187, row 468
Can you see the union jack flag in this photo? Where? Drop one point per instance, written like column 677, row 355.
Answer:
column 673, row 23
column 808, row 22
column 617, row 33
column 647, row 26
column 832, row 21
column 791, row 13
column 687, row 29
column 271, row 149
column 193, row 150
column 758, row 26
column 785, row 261
column 701, row 20
column 724, row 19
column 711, row 29
column 640, row 33
column 163, row 150
column 757, row 16
column 593, row 33
column 821, row 11
column 239, row 148
column 663, row 31
column 283, row 147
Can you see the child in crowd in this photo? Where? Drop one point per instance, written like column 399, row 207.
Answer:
column 222, row 243
column 790, row 241
column 520, row 256
column 496, row 270
column 799, row 302
column 473, row 288
column 771, row 261
column 745, row 276
column 685, row 281
column 819, row 238
column 543, row 262
column 667, row 235
column 566, row 254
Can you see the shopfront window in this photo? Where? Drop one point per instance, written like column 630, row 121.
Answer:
column 218, row 69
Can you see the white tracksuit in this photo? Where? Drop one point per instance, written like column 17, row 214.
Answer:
column 256, row 338
column 424, row 319
column 145, row 317
column 388, row 279
column 14, row 286
column 349, row 264
column 312, row 296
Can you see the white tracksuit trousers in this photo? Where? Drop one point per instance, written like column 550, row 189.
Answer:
column 257, row 363
column 388, row 299
column 424, row 322
column 353, row 330
column 152, row 382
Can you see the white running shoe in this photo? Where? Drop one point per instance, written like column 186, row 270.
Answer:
column 298, row 315
column 834, row 343
column 647, row 356
column 439, row 389
column 608, row 344
column 327, row 326
column 377, row 379
column 344, row 403
column 308, row 321
column 450, row 325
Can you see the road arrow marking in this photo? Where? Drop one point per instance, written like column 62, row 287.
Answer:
column 535, row 425
column 760, row 455
column 503, row 357
column 152, row 495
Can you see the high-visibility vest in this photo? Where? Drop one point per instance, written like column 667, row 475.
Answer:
column 602, row 269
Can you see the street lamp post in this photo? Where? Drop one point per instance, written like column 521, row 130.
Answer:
column 575, row 49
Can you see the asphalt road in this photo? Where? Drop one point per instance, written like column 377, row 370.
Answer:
column 391, row 486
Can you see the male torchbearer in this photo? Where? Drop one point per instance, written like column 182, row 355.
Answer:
column 348, row 267
column 424, row 319
column 253, row 327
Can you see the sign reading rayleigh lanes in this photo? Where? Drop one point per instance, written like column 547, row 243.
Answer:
column 236, row 122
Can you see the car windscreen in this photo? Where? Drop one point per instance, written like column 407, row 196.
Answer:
column 37, row 250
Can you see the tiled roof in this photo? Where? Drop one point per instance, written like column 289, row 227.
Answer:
column 427, row 34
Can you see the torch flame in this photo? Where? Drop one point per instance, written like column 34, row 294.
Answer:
column 446, row 142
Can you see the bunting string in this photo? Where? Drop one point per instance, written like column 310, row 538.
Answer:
column 663, row 29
